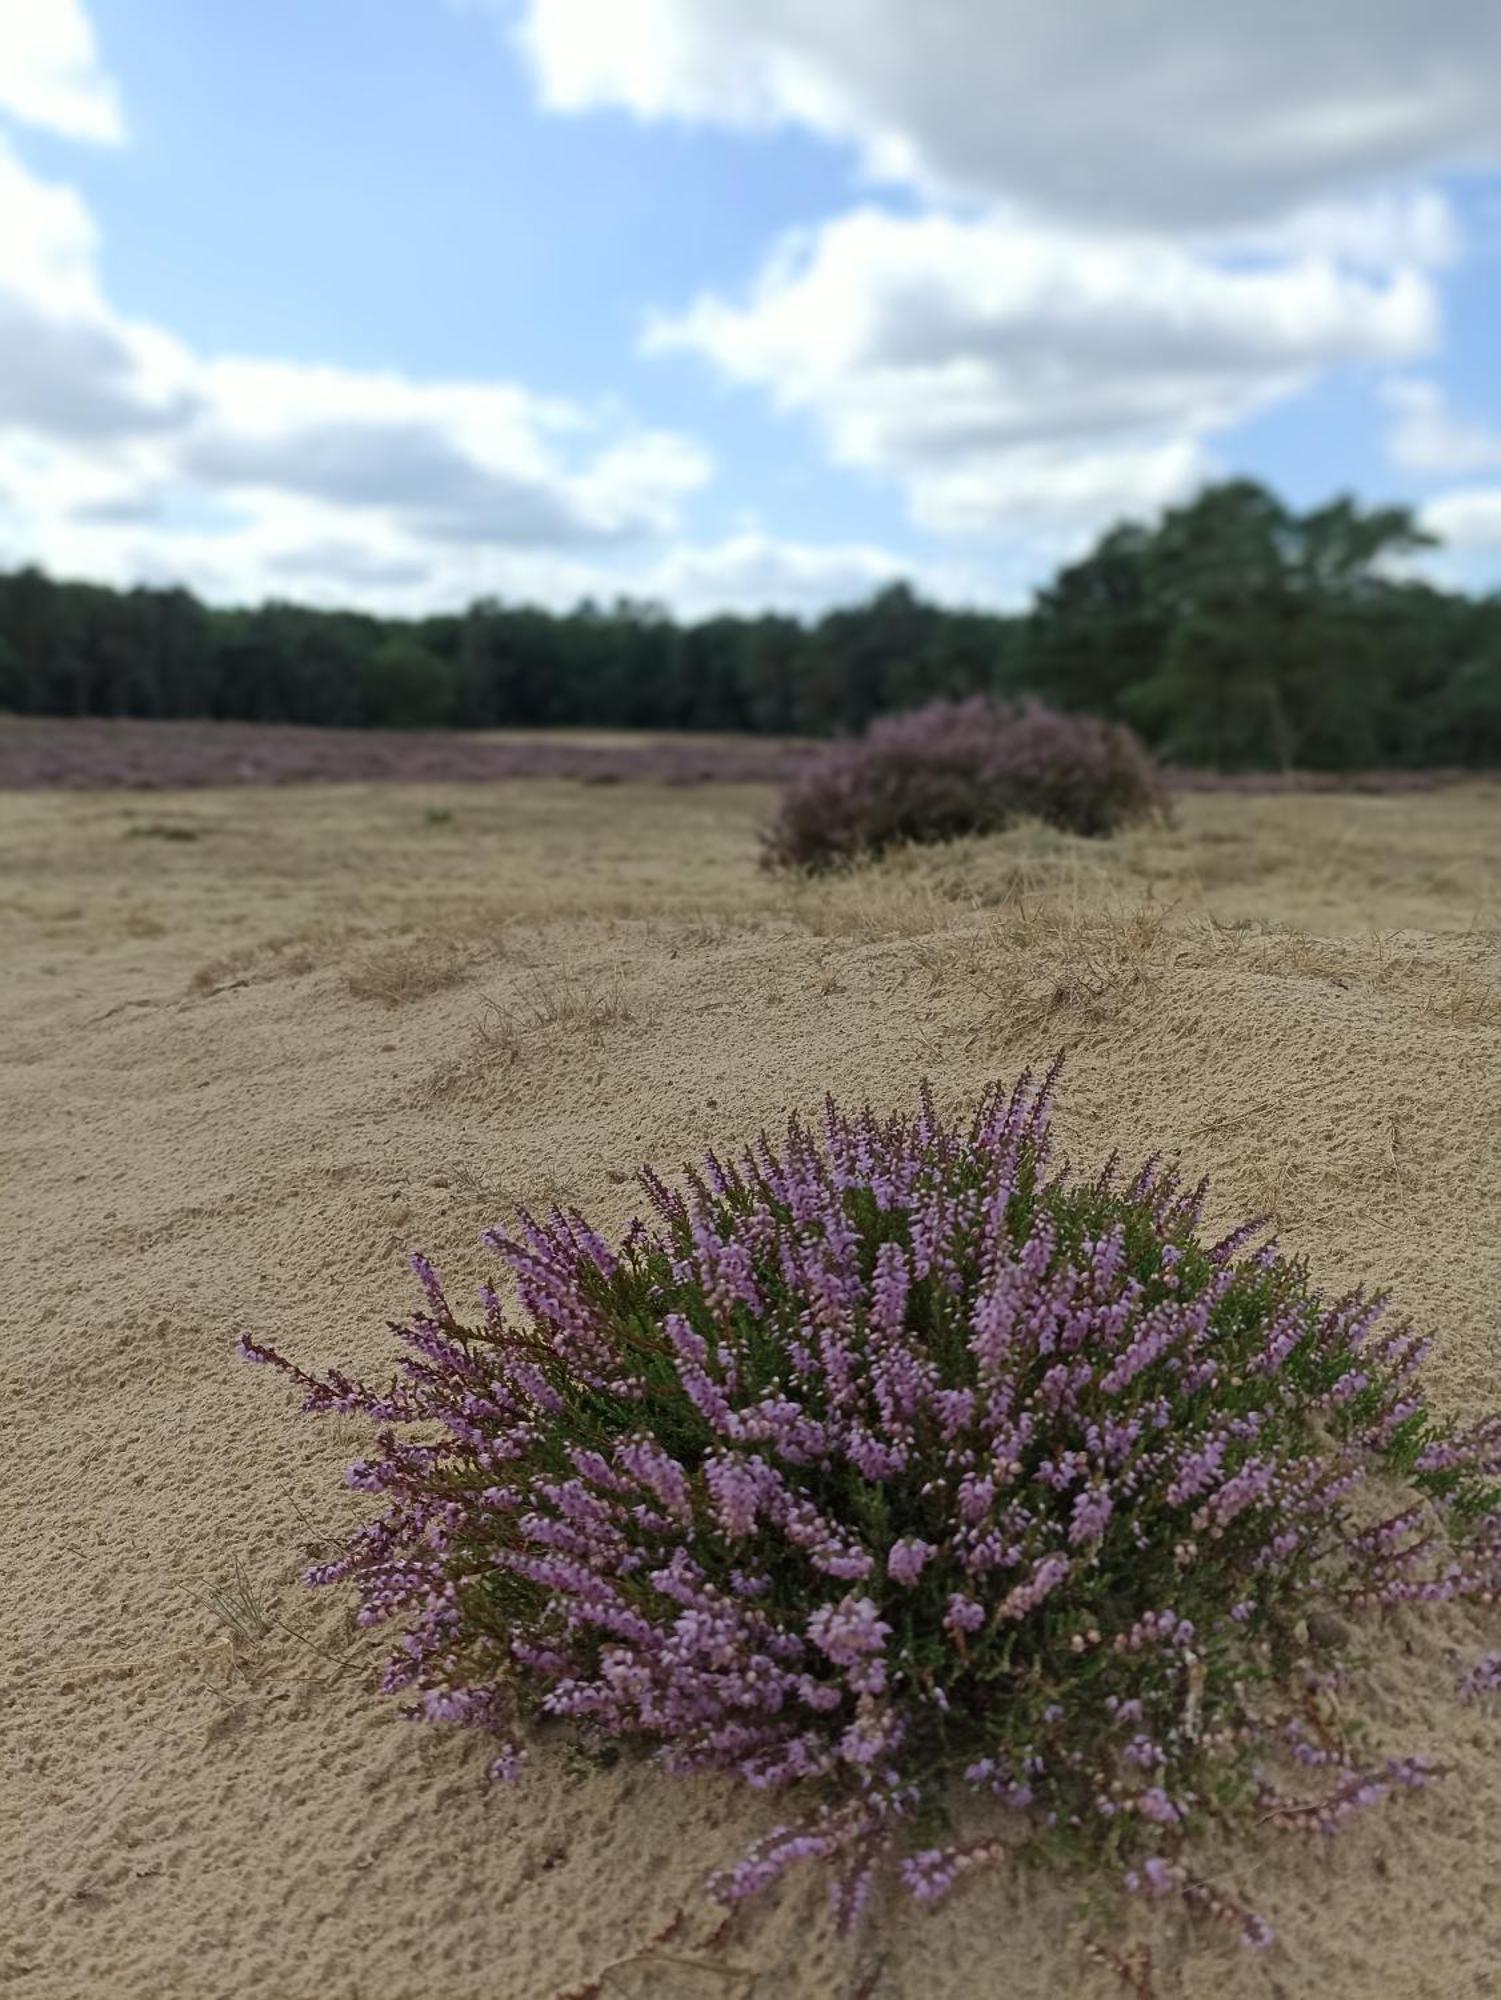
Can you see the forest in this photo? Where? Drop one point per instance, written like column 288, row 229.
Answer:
column 1234, row 633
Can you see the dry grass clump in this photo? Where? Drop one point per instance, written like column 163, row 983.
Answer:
column 284, row 955
column 1054, row 965
column 1062, row 961
column 395, row 975
column 573, row 1004
column 1323, row 864
column 162, row 829
column 1465, row 1002
column 891, row 900
column 240, row 1606
column 552, row 1010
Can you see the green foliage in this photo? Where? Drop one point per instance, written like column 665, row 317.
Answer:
column 1239, row 634
column 1234, row 632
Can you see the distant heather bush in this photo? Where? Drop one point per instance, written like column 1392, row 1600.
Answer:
column 960, row 767
column 892, row 1461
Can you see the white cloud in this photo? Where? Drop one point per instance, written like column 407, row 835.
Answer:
column 49, row 245
column 1165, row 113
column 456, row 461
column 276, row 546
column 126, row 457
column 124, row 453
column 1468, row 520
column 1012, row 374
column 1377, row 232
column 50, row 73
column 1427, row 437
column 751, row 570
column 1142, row 223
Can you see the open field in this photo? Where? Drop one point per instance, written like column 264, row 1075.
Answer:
column 92, row 753
column 256, row 1043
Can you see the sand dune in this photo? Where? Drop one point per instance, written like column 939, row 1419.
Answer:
column 256, row 1044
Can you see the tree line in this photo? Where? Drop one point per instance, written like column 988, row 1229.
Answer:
column 1233, row 632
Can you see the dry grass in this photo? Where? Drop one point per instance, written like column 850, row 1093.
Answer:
column 279, row 955
column 397, row 974
column 1321, row 863
column 240, row 1607
column 549, row 1014
column 549, row 853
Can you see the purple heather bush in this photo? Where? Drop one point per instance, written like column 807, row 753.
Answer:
column 958, row 767
column 892, row 1461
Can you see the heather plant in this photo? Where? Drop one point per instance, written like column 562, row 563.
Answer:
column 895, row 1463
column 958, row 767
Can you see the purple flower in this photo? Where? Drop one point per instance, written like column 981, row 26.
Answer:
column 905, row 1559
column 888, row 1454
column 1091, row 1516
column 849, row 1631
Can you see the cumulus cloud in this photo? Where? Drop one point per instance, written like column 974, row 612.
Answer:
column 127, row 457
column 1167, row 114
column 1138, row 226
column 457, row 462
column 70, row 366
column 1011, row 374
column 1134, row 228
column 50, row 72
column 1468, row 520
column 273, row 546
column 751, row 570
column 108, row 423
column 1426, row 436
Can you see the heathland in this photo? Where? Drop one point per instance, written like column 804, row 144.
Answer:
column 257, row 1043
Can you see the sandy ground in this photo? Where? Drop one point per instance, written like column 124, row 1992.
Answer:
column 254, row 1045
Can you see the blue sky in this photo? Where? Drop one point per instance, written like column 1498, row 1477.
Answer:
column 729, row 302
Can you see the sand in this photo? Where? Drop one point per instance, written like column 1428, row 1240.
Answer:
column 254, row 1045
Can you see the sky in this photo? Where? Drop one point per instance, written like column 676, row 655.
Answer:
column 731, row 304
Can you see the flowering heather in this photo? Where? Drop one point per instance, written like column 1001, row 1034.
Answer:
column 107, row 754
column 892, row 1461
column 958, row 767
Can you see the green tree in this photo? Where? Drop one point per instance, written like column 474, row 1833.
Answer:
column 1236, row 632
column 407, row 685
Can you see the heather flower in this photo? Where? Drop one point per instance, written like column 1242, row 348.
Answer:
column 1483, row 1678
column 848, row 1631
column 893, row 1459
column 904, row 1563
column 957, row 767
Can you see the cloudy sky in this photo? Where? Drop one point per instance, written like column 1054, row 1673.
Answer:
column 730, row 302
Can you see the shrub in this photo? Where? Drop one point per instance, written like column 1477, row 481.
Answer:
column 892, row 1461
column 960, row 767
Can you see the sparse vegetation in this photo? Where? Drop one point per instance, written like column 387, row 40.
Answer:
column 156, row 829
column 1295, row 989
column 400, row 973
column 551, row 1008
column 239, row 1606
